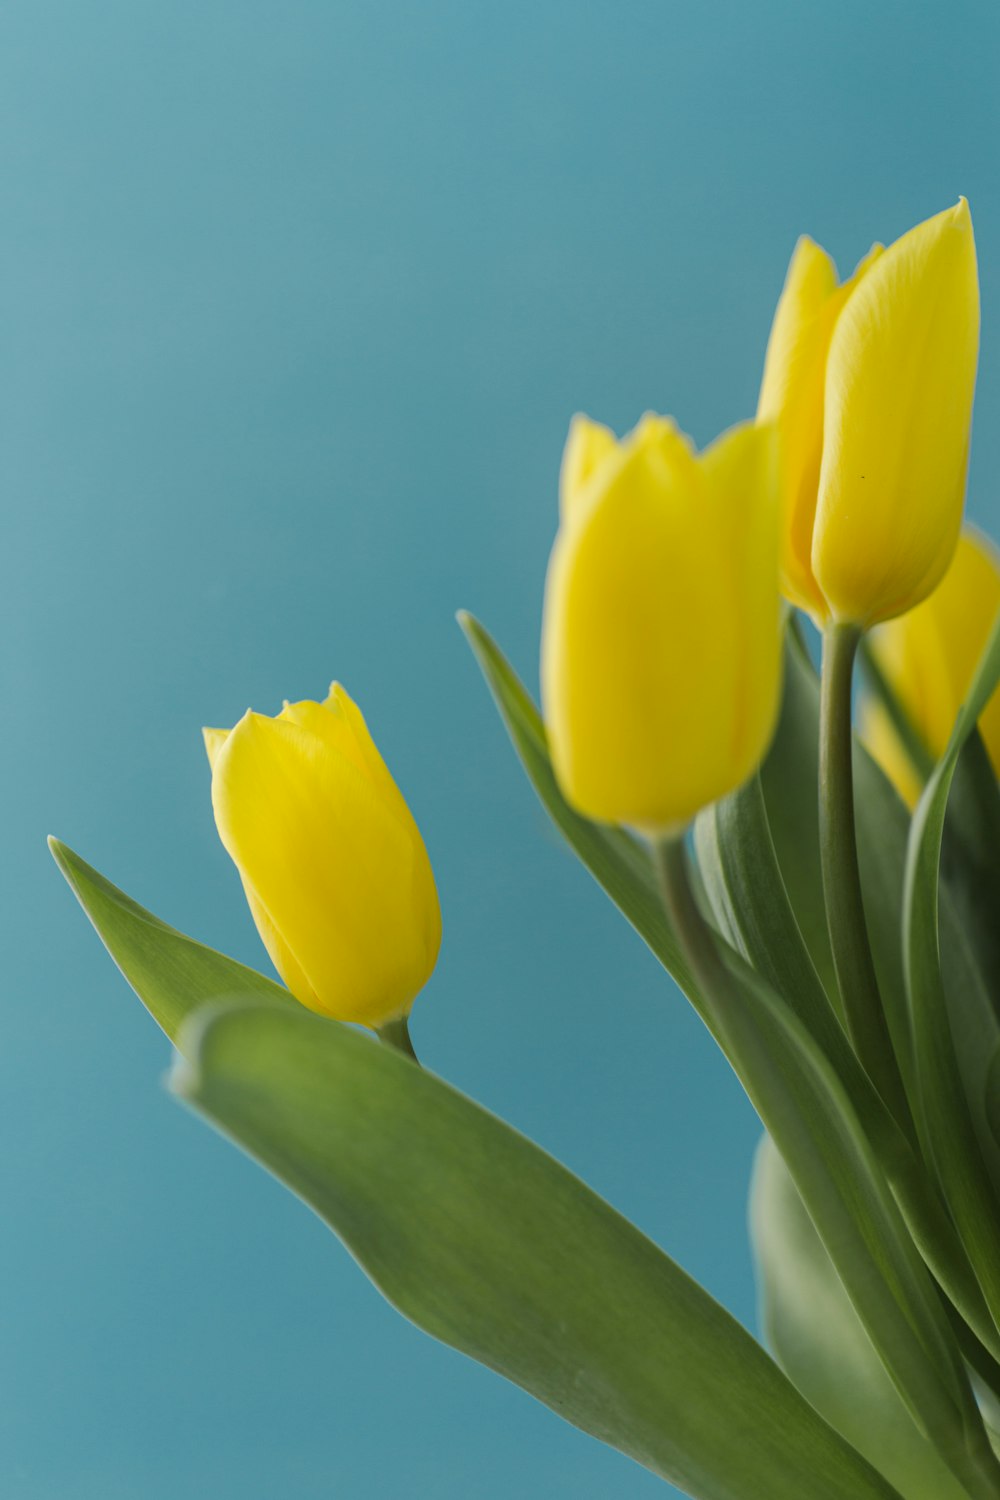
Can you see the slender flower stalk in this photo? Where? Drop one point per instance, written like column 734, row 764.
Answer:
column 845, row 912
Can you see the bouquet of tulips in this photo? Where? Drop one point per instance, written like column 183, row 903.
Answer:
column 828, row 900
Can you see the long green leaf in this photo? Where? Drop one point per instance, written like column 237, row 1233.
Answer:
column 813, row 1123
column 789, row 778
column 970, row 855
column 970, row 929
column 818, row 1340
column 487, row 1243
column 744, row 884
column 175, row 977
column 883, row 825
column 171, row 973
column 803, row 1103
column 948, row 1123
column 969, row 894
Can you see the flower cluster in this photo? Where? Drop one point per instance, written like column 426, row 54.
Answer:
column 661, row 642
column 826, row 899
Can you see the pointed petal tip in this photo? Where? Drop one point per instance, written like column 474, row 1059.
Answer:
column 959, row 215
column 809, row 251
column 213, row 740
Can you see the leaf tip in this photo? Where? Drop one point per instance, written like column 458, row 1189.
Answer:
column 469, row 626
column 62, row 854
column 185, row 1075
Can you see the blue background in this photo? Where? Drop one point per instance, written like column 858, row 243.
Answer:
column 297, row 300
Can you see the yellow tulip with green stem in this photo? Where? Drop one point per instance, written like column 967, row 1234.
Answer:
column 333, row 865
column 662, row 649
column 871, row 385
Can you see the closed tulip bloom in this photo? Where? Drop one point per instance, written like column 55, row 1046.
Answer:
column 661, row 653
column 871, row 386
column 332, row 862
column 928, row 658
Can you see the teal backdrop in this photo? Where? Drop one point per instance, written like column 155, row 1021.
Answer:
column 297, row 301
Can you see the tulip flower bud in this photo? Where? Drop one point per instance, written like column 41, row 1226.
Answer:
column 661, row 655
column 928, row 658
column 871, row 386
column 332, row 862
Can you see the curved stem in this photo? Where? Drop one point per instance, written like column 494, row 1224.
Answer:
column 845, row 912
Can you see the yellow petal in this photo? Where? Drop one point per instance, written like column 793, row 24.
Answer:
column 281, row 955
column 348, row 714
column 214, row 741
column 810, row 282
column 329, row 725
column 588, row 445
column 883, row 745
column 792, row 394
column 650, row 674
column 352, row 917
column 900, row 378
column 929, row 655
column 741, row 470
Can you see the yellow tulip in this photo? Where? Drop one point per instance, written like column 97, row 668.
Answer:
column 928, row 658
column 871, row 386
column 332, row 862
column 661, row 655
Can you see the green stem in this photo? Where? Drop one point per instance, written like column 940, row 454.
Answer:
column 845, row 911
column 397, row 1034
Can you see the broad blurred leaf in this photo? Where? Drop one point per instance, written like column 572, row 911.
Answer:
column 487, row 1243
column 171, row 973
column 816, row 1337
column 949, row 1126
column 474, row 1198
